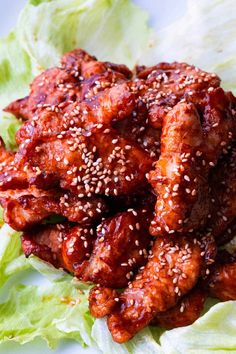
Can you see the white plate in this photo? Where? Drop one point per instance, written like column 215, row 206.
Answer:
column 161, row 14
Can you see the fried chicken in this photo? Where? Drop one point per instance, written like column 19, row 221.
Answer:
column 121, row 248
column 25, row 208
column 80, row 75
column 121, row 157
column 172, row 270
column 222, row 278
column 162, row 86
column 223, row 186
column 187, row 311
column 189, row 150
column 102, row 301
column 178, row 180
column 63, row 245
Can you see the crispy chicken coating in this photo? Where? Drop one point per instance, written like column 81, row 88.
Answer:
column 102, row 301
column 62, row 245
column 88, row 165
column 121, row 247
column 56, row 87
column 44, row 242
column 187, row 311
column 172, row 270
column 223, row 186
column 162, row 86
column 222, row 278
column 120, row 156
column 76, row 247
column 25, row 208
column 189, row 150
column 179, row 182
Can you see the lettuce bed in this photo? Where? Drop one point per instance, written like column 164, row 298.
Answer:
column 114, row 30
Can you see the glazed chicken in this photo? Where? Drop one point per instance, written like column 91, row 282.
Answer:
column 127, row 180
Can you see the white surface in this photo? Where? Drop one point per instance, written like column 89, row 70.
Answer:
column 161, row 13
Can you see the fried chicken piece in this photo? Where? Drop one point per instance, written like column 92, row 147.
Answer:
column 113, row 104
column 57, row 87
column 222, row 278
column 76, row 248
column 24, row 208
column 9, row 175
column 62, row 245
column 228, row 234
column 189, row 150
column 87, row 165
column 102, row 301
column 223, row 192
column 79, row 61
column 219, row 123
column 164, row 85
column 121, row 247
column 187, row 311
column 179, row 182
column 172, row 270
column 6, row 157
column 137, row 128
column 45, row 243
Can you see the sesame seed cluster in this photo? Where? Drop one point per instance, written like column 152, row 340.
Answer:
column 126, row 179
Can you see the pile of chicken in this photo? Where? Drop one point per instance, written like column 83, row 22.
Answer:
column 140, row 166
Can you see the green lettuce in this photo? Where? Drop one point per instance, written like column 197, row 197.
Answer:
column 48, row 312
column 203, row 36
column 9, row 125
column 114, row 30
column 16, row 70
column 215, row 332
column 59, row 310
column 10, row 251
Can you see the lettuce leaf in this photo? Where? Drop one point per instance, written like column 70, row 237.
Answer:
column 16, row 70
column 143, row 342
column 10, row 250
column 215, row 332
column 203, row 36
column 114, row 30
column 9, row 125
column 48, row 312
